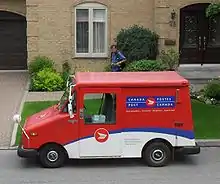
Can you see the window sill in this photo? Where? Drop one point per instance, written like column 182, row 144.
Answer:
column 89, row 57
column 95, row 56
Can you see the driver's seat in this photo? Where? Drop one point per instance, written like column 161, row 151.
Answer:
column 107, row 109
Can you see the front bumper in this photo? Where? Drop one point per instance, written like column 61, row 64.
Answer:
column 190, row 150
column 26, row 153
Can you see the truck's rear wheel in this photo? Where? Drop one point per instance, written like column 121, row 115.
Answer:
column 157, row 154
column 52, row 156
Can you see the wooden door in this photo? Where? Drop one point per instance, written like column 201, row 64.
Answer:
column 192, row 31
column 190, row 50
column 211, row 41
column 199, row 36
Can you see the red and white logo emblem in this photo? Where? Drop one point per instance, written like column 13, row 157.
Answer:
column 150, row 102
column 101, row 135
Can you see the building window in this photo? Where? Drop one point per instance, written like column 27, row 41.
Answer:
column 91, row 30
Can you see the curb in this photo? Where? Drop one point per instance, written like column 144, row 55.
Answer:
column 44, row 96
column 208, row 142
column 15, row 128
column 12, row 71
column 8, row 148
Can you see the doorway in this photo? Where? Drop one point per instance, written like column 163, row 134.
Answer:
column 199, row 36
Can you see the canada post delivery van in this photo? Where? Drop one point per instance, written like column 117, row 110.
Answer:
column 113, row 115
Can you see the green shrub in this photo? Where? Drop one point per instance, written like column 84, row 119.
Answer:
column 145, row 65
column 48, row 80
column 39, row 63
column 212, row 89
column 213, row 10
column 170, row 59
column 137, row 43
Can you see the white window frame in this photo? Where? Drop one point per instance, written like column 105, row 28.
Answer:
column 90, row 7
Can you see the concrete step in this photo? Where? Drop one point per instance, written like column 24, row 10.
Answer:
column 199, row 73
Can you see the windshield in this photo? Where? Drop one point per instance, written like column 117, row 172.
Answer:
column 64, row 99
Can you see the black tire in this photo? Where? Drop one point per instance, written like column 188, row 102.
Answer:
column 52, row 156
column 157, row 154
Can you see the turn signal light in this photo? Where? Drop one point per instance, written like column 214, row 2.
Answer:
column 33, row 134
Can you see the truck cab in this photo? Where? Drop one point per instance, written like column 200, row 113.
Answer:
column 143, row 115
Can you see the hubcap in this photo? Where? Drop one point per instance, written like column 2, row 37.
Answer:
column 52, row 156
column 157, row 155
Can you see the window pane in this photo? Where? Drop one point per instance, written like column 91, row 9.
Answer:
column 100, row 108
column 99, row 19
column 214, row 31
column 82, row 31
column 98, row 37
column 82, row 15
column 99, row 15
column 82, row 37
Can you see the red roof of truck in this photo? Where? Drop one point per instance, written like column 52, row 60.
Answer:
column 130, row 79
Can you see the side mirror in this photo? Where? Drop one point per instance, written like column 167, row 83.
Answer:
column 70, row 110
column 69, row 80
column 70, row 105
column 17, row 118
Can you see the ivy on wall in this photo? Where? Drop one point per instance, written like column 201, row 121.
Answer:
column 213, row 9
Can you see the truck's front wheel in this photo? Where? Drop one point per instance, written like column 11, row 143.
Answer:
column 157, row 154
column 52, row 156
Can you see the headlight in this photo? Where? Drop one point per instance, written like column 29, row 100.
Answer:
column 17, row 118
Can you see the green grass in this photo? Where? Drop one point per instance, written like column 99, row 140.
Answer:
column 207, row 120
column 206, row 117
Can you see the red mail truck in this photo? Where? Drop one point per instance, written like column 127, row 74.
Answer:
column 143, row 115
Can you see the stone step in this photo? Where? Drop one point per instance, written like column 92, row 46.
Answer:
column 199, row 73
column 215, row 69
column 198, row 81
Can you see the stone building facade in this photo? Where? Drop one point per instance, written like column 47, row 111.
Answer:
column 81, row 31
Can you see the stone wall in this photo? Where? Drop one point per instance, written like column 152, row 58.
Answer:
column 51, row 30
column 51, row 27
column 18, row 6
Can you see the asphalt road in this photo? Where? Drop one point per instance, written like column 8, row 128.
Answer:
column 201, row 169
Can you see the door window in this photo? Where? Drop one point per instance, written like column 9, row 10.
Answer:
column 190, row 31
column 214, row 31
column 199, row 36
column 100, row 108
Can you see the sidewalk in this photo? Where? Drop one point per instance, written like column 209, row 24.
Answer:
column 208, row 142
column 44, row 96
column 12, row 87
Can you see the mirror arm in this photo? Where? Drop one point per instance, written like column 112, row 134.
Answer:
column 70, row 108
